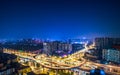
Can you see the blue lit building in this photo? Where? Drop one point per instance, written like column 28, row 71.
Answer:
column 105, row 43
column 112, row 55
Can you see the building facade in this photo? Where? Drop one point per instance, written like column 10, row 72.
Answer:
column 8, row 64
column 112, row 55
column 105, row 43
column 51, row 47
column 1, row 48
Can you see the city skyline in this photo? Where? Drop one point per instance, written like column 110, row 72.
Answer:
column 59, row 37
column 59, row 19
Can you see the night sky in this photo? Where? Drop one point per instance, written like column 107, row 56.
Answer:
column 59, row 19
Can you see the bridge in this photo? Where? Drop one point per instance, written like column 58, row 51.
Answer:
column 71, row 61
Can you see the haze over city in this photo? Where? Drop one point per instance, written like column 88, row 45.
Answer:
column 59, row 19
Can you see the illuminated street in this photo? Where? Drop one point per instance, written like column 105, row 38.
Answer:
column 66, row 63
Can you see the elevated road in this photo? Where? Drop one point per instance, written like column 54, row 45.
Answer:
column 72, row 61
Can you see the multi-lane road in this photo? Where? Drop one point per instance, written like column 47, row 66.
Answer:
column 71, row 61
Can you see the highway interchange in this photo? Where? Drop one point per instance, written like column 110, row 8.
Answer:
column 74, row 60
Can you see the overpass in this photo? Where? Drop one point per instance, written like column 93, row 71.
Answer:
column 64, row 64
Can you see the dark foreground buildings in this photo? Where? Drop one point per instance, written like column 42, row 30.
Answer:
column 8, row 63
column 105, row 43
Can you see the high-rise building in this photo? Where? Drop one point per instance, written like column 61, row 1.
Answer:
column 112, row 55
column 1, row 48
column 102, row 43
column 51, row 47
column 76, row 47
column 116, row 41
column 64, row 46
column 46, row 48
column 105, row 43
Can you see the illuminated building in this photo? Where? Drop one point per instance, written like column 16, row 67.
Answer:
column 27, row 45
column 50, row 47
column 77, row 46
column 105, row 43
column 64, row 46
column 45, row 48
column 80, row 72
column 80, row 41
column 112, row 55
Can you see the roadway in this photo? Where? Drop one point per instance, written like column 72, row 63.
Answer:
column 72, row 61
